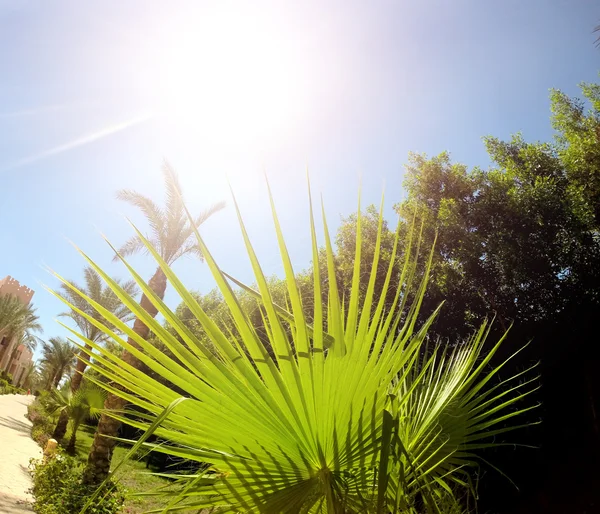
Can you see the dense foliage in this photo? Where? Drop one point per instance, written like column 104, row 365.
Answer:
column 77, row 406
column 57, row 488
column 42, row 424
column 520, row 241
column 360, row 416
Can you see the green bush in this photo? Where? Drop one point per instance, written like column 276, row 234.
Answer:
column 9, row 389
column 43, row 426
column 57, row 489
column 6, row 386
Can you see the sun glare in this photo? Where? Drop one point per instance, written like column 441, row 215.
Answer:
column 231, row 82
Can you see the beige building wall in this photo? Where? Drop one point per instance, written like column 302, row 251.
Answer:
column 9, row 285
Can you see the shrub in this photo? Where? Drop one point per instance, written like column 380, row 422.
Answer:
column 6, row 386
column 57, row 489
column 40, row 435
column 43, row 426
column 9, row 389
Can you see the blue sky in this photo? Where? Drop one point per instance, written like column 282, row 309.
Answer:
column 93, row 95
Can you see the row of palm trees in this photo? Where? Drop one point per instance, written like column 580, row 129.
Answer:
column 172, row 235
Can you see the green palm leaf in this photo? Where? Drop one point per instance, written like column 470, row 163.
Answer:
column 353, row 413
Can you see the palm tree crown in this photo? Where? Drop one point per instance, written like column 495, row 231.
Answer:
column 57, row 359
column 101, row 294
column 18, row 322
column 16, row 317
column 171, row 231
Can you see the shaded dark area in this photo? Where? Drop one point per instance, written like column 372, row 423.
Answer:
column 562, row 474
column 521, row 242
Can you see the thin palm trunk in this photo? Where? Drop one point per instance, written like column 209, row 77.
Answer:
column 61, row 426
column 79, row 369
column 49, row 381
column 57, row 377
column 98, row 465
column 73, row 438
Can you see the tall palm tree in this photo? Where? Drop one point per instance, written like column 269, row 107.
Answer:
column 172, row 235
column 104, row 296
column 58, row 356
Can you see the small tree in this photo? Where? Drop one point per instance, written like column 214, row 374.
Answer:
column 58, row 357
column 80, row 405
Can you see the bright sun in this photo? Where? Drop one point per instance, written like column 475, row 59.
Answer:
column 232, row 81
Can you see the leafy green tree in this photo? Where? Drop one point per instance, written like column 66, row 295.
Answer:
column 172, row 237
column 521, row 240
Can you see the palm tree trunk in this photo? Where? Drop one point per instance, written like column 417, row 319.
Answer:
column 73, row 439
column 57, row 378
column 99, row 458
column 61, row 426
column 77, row 377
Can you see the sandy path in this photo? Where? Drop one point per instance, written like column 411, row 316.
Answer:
column 16, row 448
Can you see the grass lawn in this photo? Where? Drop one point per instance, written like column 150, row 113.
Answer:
column 133, row 475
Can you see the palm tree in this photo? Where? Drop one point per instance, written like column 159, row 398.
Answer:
column 16, row 319
column 172, row 235
column 79, row 405
column 104, row 296
column 57, row 358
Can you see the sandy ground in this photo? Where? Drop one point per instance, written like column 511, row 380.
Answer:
column 16, row 448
